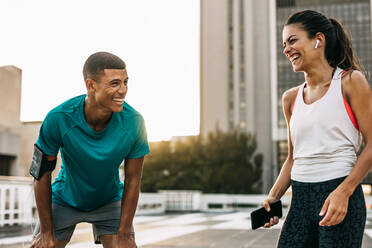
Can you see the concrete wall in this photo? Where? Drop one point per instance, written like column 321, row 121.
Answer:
column 29, row 133
column 213, row 66
column 10, row 108
column 258, row 37
column 260, row 86
column 10, row 97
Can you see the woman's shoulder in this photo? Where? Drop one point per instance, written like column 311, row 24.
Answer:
column 354, row 81
column 288, row 100
column 353, row 77
column 289, row 96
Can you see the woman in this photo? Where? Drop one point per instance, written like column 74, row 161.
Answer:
column 327, row 116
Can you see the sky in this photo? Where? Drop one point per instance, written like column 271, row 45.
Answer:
column 158, row 40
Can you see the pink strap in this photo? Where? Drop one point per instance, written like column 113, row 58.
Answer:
column 350, row 112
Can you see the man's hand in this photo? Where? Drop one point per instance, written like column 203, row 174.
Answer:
column 44, row 241
column 126, row 241
column 334, row 208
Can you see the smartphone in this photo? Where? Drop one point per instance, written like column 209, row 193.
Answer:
column 36, row 163
column 260, row 216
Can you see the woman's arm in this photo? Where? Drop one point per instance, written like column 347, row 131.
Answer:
column 359, row 95
column 283, row 181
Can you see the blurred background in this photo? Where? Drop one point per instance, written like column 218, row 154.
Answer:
column 207, row 75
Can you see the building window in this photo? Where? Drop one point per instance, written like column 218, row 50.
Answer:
column 285, row 3
column 242, row 89
column 5, row 162
column 231, row 65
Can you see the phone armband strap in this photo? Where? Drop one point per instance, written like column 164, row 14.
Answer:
column 40, row 163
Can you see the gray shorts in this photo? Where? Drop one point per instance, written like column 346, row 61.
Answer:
column 105, row 220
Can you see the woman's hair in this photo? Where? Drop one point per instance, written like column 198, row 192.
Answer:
column 338, row 50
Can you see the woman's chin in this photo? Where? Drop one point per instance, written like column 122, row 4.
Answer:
column 296, row 68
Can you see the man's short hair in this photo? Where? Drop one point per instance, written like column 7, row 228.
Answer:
column 97, row 62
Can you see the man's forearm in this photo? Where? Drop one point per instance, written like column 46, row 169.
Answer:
column 129, row 204
column 43, row 196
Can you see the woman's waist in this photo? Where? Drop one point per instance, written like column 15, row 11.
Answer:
column 317, row 156
column 320, row 171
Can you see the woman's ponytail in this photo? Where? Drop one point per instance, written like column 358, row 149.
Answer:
column 341, row 54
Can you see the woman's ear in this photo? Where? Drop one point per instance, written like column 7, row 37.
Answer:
column 319, row 40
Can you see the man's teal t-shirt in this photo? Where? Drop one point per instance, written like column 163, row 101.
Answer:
column 89, row 175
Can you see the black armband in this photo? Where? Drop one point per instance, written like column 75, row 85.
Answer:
column 40, row 163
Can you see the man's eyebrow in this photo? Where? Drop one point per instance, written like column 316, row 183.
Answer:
column 117, row 79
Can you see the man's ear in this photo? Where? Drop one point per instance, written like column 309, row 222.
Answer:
column 90, row 85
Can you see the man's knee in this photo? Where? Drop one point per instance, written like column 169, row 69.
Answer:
column 108, row 240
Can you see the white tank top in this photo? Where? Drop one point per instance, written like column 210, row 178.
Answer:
column 325, row 140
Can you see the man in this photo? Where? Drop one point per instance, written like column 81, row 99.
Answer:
column 94, row 133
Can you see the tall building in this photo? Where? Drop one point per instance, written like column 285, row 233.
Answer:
column 10, row 107
column 244, row 73
column 16, row 138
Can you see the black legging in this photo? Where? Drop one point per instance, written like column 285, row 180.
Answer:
column 301, row 228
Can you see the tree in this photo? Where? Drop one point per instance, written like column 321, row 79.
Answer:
column 220, row 163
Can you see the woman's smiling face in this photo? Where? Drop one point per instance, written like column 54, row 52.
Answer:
column 298, row 47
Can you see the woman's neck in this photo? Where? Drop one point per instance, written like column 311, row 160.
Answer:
column 319, row 75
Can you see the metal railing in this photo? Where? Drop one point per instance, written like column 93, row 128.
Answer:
column 17, row 204
column 151, row 203
column 16, row 201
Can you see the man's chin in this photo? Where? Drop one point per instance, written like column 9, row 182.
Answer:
column 117, row 109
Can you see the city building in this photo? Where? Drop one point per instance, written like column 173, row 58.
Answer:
column 16, row 137
column 243, row 72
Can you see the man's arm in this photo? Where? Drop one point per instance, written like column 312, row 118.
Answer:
column 43, row 197
column 132, row 185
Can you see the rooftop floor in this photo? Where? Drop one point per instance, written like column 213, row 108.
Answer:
column 191, row 230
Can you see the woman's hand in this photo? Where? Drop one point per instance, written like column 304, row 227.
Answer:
column 275, row 220
column 334, row 208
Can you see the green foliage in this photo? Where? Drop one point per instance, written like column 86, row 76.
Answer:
column 220, row 163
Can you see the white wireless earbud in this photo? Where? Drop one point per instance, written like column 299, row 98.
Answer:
column 317, row 43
